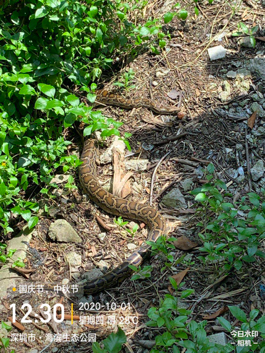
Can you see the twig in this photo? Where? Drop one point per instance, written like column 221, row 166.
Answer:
column 248, row 162
column 173, row 138
column 154, row 173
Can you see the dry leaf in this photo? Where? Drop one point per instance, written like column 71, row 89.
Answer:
column 184, row 243
column 179, row 276
column 261, row 38
column 173, row 94
column 251, row 120
column 216, row 314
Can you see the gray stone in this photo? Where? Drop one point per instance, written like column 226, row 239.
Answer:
column 8, row 279
column 257, row 107
column 33, row 351
column 74, row 259
column 239, row 147
column 257, row 170
column 219, row 338
column 131, row 246
column 243, row 73
column 231, row 74
column 138, row 165
column 102, row 236
column 257, row 65
column 174, row 199
column 60, row 178
column 62, row 231
column 92, row 275
column 187, row 184
column 232, row 173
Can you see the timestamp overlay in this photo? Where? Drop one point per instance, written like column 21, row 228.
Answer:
column 42, row 316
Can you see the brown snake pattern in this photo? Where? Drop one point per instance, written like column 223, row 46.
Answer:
column 108, row 98
column 119, row 207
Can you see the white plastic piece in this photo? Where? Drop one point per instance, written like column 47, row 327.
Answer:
column 217, row 52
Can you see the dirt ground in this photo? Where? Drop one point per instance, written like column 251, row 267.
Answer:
column 204, row 131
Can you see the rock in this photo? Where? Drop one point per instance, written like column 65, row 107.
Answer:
column 257, row 66
column 154, row 83
column 102, row 236
column 257, row 170
column 224, row 96
column 20, row 242
column 231, row 74
column 62, row 231
column 92, row 275
column 146, row 343
column 217, row 52
column 187, row 184
column 138, row 165
column 174, row 199
column 243, row 73
column 74, row 259
column 256, row 107
column 239, row 147
column 162, row 72
column 103, row 265
column 106, row 157
column 219, row 338
column 131, row 246
column 232, row 173
column 60, row 178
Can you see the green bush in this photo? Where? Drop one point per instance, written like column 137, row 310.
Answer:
column 47, row 48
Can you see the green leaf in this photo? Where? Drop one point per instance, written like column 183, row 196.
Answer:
column 169, row 16
column 114, row 341
column 186, row 293
column 253, row 314
column 254, row 199
column 200, row 197
column 48, row 90
column 243, row 27
column 97, row 349
column 183, row 14
column 93, row 11
column 53, row 3
column 196, row 10
column 41, row 103
column 5, row 342
column 252, row 41
column 238, row 313
column 226, row 324
column 41, row 12
column 73, row 100
column 27, row 90
column 33, row 221
column 160, row 322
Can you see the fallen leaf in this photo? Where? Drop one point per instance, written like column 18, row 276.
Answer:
column 173, row 94
column 198, row 93
column 251, row 120
column 261, row 38
column 184, row 243
column 179, row 276
column 216, row 314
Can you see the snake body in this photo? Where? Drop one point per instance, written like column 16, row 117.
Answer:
column 119, row 207
column 108, row 98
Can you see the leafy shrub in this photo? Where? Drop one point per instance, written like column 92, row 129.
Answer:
column 231, row 232
column 47, row 47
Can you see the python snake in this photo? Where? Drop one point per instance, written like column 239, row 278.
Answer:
column 118, row 207
column 108, row 98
